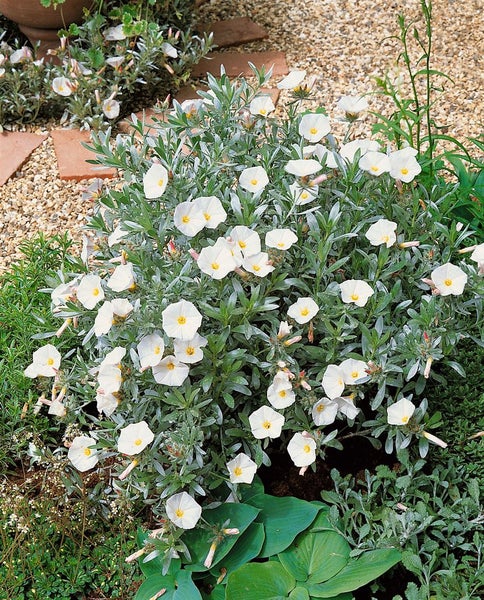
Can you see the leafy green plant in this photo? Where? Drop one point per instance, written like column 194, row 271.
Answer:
column 283, row 547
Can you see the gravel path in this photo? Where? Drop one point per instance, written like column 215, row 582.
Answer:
column 344, row 43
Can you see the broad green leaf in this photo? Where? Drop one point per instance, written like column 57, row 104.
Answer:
column 260, row 581
column 316, row 557
column 249, row 491
column 218, row 593
column 178, row 587
column 367, row 567
column 247, row 547
column 322, row 521
column 283, row 519
column 299, row 593
column 198, row 541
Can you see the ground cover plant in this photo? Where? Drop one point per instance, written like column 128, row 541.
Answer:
column 120, row 53
column 261, row 285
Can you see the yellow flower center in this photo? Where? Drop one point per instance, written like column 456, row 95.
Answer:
column 237, row 471
column 282, row 393
column 207, row 216
column 190, row 350
column 313, row 131
column 170, row 366
column 262, row 111
column 304, row 195
column 179, row 513
column 280, row 245
column 95, row 292
column 156, row 350
column 266, row 424
column 50, row 361
column 354, row 374
column 320, row 408
column 215, row 266
column 254, row 181
column 404, row 171
column 448, row 282
column 374, row 168
column 256, row 268
column 185, row 219
column 87, row 452
column 304, row 312
column 354, row 297
column 405, row 419
column 385, row 238
column 138, row 442
column 161, row 182
column 242, row 244
column 307, row 448
column 181, row 320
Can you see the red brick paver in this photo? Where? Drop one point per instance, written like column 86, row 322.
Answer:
column 235, row 32
column 15, row 148
column 237, row 63
column 72, row 156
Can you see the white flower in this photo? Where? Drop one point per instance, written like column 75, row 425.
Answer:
column 114, row 34
column 314, row 126
column 169, row 50
column 82, row 454
column 326, row 157
column 20, row 55
column 353, row 370
column 57, row 408
column 303, row 195
column 218, row 260
column 348, row 151
column 45, row 362
column 302, row 449
column 261, row 105
column 356, row 291
column 333, row 381
column 449, row 279
column 109, row 379
column 403, row 164
column 150, row 350
column 303, row 310
column 347, row 406
column 266, row 422
column 253, row 179
column 170, row 371
column 114, row 357
column 352, row 105
column 90, row 291
column 324, row 412
column 116, row 236
column 280, row 393
column 382, row 232
column 62, row 86
column 183, row 510
column 122, row 278
column 189, row 218
column 115, row 61
column 190, row 351
column 400, row 412
column 134, row 438
column 111, row 108
column 104, row 319
column 241, row 469
column 292, row 81
column 155, row 180
column 212, row 210
column 303, row 167
column 64, row 292
column 258, row 264
column 478, row 256
column 246, row 239
column 106, row 403
column 181, row 320
column 282, row 239
column 374, row 163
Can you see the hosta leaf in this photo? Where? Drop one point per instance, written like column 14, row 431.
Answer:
column 260, row 581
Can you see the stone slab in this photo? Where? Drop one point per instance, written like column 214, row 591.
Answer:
column 15, row 148
column 234, row 32
column 146, row 115
column 237, row 63
column 72, row 156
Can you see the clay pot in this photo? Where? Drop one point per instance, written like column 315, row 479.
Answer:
column 42, row 24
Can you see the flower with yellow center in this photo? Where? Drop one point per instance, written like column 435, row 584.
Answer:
column 253, row 179
column 303, row 310
column 355, row 291
column 190, row 351
column 241, row 469
column 314, row 126
column 45, row 362
column 333, row 381
column 258, row 264
column 404, row 165
column 82, row 454
column 382, row 232
column 261, row 106
column 181, row 320
column 155, row 181
column 353, row 370
column 400, row 412
column 449, row 279
column 212, row 210
column 150, row 350
column 170, row 371
column 302, row 449
column 189, row 218
column 324, row 412
column 183, row 511
column 134, row 438
column 282, row 239
column 375, row 163
column 266, row 422
column 89, row 291
column 217, row 261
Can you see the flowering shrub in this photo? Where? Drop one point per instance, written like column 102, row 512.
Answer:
column 254, row 283
column 101, row 67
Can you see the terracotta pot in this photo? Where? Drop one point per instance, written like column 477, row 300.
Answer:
column 42, row 24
